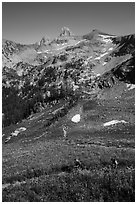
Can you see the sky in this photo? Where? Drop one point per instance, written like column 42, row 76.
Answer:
column 28, row 22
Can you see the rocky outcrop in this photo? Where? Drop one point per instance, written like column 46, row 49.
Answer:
column 44, row 41
column 65, row 32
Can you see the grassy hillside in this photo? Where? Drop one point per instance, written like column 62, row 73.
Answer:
column 39, row 164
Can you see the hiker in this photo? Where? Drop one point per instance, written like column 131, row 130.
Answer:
column 64, row 130
column 114, row 163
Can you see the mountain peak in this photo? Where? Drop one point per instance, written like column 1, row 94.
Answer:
column 96, row 31
column 65, row 32
column 44, row 41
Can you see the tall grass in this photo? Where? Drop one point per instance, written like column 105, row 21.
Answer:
column 104, row 184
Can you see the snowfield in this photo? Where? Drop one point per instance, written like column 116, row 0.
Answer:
column 17, row 131
column 113, row 122
column 76, row 118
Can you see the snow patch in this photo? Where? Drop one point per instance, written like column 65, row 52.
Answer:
column 66, row 44
column 130, row 86
column 104, row 54
column 111, row 48
column 17, row 131
column 97, row 58
column 101, row 55
column 107, row 40
column 76, row 118
column 113, row 122
column 105, row 36
column 89, row 58
column 104, row 63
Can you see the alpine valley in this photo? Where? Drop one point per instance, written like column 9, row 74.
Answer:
column 47, row 157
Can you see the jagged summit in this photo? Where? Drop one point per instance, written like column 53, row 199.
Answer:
column 44, row 40
column 66, row 67
column 65, row 32
column 61, row 100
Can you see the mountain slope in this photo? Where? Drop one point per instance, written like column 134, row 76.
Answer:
column 49, row 156
column 62, row 68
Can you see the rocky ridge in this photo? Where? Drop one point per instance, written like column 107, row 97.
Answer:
column 66, row 68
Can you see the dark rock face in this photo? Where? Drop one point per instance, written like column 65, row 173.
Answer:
column 126, row 71
column 66, row 68
column 126, row 45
